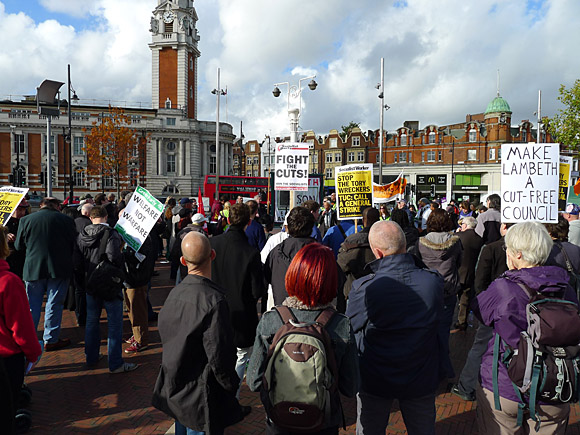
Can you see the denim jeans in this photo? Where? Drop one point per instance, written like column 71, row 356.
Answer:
column 114, row 311
column 182, row 430
column 444, row 326
column 243, row 355
column 469, row 378
column 56, row 289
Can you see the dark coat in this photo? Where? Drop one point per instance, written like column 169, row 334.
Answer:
column 256, row 235
column 81, row 222
column 48, row 238
column 238, row 269
column 197, row 381
column 354, row 254
column 16, row 258
column 491, row 264
column 395, row 314
column 557, row 258
column 321, row 221
column 488, row 226
column 442, row 252
column 88, row 243
column 412, row 237
column 277, row 264
column 139, row 272
column 472, row 244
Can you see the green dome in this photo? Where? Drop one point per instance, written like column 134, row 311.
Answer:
column 498, row 104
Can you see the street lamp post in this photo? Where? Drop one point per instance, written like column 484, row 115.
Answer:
column 69, row 137
column 218, row 92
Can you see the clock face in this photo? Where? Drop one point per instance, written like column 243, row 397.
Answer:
column 168, row 16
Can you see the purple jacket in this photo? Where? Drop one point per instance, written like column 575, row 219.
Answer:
column 503, row 306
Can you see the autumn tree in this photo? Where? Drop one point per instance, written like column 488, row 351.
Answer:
column 346, row 129
column 112, row 145
column 565, row 125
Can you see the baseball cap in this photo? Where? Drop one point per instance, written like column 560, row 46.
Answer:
column 404, row 201
column 184, row 212
column 198, row 218
column 573, row 209
column 184, row 201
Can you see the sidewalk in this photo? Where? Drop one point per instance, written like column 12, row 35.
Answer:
column 68, row 398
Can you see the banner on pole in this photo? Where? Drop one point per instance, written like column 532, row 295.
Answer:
column 529, row 182
column 391, row 191
column 354, row 190
column 138, row 218
column 291, row 171
column 10, row 197
column 565, row 172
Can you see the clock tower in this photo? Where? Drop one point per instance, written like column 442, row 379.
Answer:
column 174, row 49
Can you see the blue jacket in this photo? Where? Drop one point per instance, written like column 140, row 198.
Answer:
column 394, row 313
column 256, row 235
column 333, row 238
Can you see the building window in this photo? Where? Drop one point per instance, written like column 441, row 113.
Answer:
column 108, row 181
column 430, row 156
column 170, row 164
column 78, row 145
column 440, row 155
column 191, row 63
column 19, row 143
column 171, row 146
column 403, row 157
column 168, row 103
column 472, row 155
column 170, row 121
column 315, row 158
column 432, row 137
column 491, row 155
column 360, row 156
column 133, row 177
column 499, row 155
column 422, row 156
column 79, row 177
column 51, row 144
column 328, row 172
column 252, row 148
column 395, row 140
column 212, row 165
column 337, row 157
column 403, row 139
column 248, row 161
column 333, row 142
column 423, row 139
column 356, row 141
column 329, row 158
column 265, row 172
column 524, row 135
column 350, row 156
column 395, row 157
column 255, row 160
column 191, row 92
column 377, row 158
column 472, row 135
column 256, row 173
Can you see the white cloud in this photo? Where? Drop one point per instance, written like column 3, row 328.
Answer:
column 440, row 63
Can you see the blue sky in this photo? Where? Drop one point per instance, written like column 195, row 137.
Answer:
column 440, row 63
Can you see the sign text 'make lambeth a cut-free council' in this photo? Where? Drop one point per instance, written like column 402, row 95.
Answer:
column 529, row 182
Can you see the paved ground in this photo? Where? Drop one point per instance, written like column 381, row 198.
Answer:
column 69, row 399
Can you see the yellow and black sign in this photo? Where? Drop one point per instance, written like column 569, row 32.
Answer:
column 354, row 190
column 10, row 197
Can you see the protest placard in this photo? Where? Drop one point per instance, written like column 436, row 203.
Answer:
column 138, row 218
column 390, row 192
column 291, row 171
column 565, row 172
column 529, row 182
column 354, row 190
column 10, row 197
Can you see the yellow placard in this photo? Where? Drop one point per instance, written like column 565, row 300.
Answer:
column 10, row 197
column 354, row 190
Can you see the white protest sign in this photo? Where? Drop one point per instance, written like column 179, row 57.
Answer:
column 529, row 182
column 291, row 171
column 138, row 218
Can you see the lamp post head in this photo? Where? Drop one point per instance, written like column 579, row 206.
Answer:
column 312, row 85
column 276, row 92
column 214, row 91
column 75, row 97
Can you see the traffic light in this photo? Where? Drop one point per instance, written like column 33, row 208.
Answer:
column 433, row 191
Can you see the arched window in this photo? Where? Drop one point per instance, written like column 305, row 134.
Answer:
column 403, row 140
column 79, row 176
column 170, row 189
column 133, row 177
column 168, row 103
column 432, row 137
column 473, row 135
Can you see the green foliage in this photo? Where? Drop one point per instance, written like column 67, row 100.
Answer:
column 565, row 125
column 346, row 129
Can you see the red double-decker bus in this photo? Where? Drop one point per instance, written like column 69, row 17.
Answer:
column 232, row 186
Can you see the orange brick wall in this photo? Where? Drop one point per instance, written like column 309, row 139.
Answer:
column 5, row 165
column 168, row 76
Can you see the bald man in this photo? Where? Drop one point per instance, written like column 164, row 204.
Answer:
column 197, row 382
column 394, row 313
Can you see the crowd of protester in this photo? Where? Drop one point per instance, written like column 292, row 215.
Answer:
column 379, row 302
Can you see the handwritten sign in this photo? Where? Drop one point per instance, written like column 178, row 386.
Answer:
column 291, row 171
column 10, row 197
column 354, row 190
column 565, row 172
column 138, row 218
column 529, row 182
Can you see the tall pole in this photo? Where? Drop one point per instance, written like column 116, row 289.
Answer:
column 70, row 154
column 217, row 138
column 539, row 138
column 48, row 162
column 382, row 120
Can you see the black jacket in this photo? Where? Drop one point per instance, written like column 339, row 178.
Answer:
column 557, row 258
column 354, row 254
column 491, row 264
column 87, row 256
column 277, row 264
column 472, row 244
column 81, row 222
column 322, row 219
column 238, row 269
column 197, row 381
column 138, row 273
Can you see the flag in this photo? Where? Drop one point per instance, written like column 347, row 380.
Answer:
column 391, row 191
column 200, row 203
column 577, row 187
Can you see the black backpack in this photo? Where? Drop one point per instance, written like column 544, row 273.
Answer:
column 106, row 281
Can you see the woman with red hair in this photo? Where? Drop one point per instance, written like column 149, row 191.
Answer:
column 311, row 283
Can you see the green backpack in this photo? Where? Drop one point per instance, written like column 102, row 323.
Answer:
column 300, row 384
